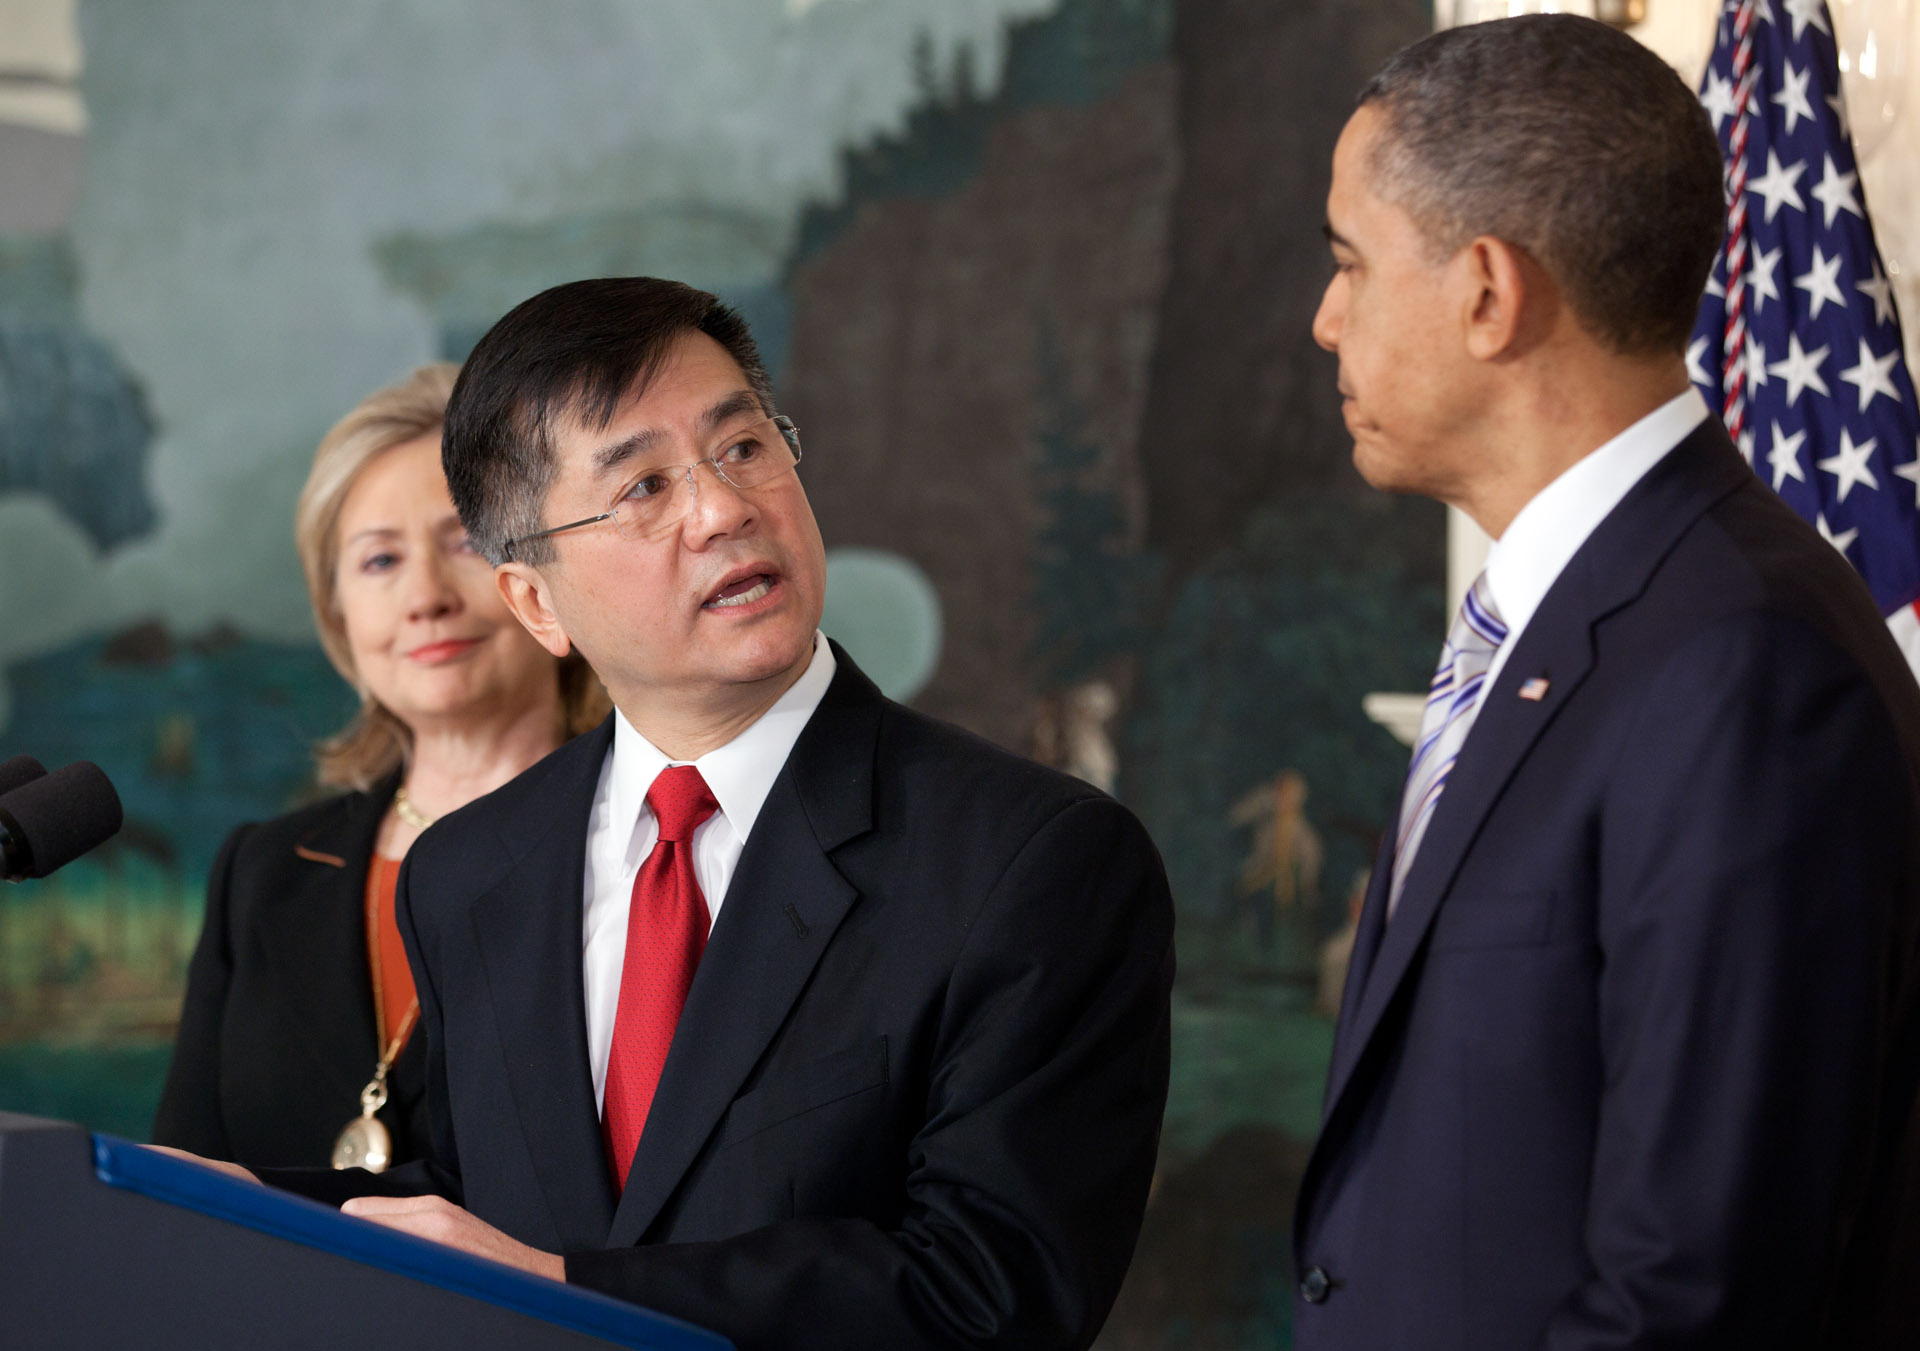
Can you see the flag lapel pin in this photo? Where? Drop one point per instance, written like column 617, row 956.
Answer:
column 1534, row 690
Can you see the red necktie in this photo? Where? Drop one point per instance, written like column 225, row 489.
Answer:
column 666, row 933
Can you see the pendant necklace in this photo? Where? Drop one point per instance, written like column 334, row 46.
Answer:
column 366, row 1142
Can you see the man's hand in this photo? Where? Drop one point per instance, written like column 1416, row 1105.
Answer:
column 440, row 1220
column 230, row 1169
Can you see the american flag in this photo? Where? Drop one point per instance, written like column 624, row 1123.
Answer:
column 1805, row 362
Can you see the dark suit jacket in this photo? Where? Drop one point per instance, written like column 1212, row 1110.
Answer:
column 277, row 1032
column 1634, row 1063
column 915, row 1095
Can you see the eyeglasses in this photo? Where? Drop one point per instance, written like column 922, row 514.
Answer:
column 660, row 497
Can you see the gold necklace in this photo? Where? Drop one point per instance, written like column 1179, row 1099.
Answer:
column 404, row 809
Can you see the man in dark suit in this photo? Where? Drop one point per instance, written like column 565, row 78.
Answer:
column 771, row 1004
column 1627, row 1053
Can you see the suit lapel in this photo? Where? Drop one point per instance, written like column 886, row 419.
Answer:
column 319, row 936
column 1610, row 570
column 1557, row 641
column 528, row 928
column 782, row 908
column 1367, row 935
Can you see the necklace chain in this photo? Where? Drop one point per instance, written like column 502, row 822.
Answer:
column 374, row 1096
column 404, row 809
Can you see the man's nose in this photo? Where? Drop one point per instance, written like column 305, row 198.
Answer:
column 718, row 507
column 1326, row 320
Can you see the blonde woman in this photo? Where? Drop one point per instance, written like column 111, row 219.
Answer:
column 296, row 1041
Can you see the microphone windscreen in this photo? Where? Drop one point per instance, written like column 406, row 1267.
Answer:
column 20, row 771
column 64, row 814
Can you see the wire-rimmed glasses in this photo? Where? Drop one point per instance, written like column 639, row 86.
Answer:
column 659, row 497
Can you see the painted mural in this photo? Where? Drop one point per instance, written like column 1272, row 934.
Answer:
column 1035, row 276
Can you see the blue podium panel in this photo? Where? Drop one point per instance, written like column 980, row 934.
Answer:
column 106, row 1244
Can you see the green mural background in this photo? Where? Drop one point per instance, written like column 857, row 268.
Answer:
column 1035, row 276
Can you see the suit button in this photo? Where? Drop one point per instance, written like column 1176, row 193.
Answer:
column 1316, row 1285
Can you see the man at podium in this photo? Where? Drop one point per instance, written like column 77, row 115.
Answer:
column 770, row 1004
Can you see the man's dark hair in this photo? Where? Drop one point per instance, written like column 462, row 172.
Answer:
column 1571, row 141
column 576, row 351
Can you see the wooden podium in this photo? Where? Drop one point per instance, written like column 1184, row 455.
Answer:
column 106, row 1244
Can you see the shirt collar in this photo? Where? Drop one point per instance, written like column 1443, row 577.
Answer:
column 740, row 773
column 1524, row 563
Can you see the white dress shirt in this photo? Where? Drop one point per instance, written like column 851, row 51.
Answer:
column 1524, row 563
column 622, row 830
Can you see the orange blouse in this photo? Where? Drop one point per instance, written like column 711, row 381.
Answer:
column 386, row 955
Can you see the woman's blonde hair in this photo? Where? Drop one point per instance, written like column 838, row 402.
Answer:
column 376, row 742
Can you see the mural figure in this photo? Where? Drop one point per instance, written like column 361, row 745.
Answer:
column 1072, row 732
column 1282, row 869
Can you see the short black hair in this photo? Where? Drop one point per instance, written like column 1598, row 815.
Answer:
column 1571, row 141
column 578, row 351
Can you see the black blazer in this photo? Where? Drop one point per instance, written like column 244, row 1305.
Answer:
column 277, row 1031
column 1634, row 1063
column 915, row 1096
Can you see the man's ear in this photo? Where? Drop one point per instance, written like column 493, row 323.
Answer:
column 1501, row 291
column 527, row 595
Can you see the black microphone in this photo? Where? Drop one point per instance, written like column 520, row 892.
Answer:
column 20, row 771
column 50, row 821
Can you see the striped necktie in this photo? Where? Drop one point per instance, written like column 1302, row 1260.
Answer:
column 1452, row 700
